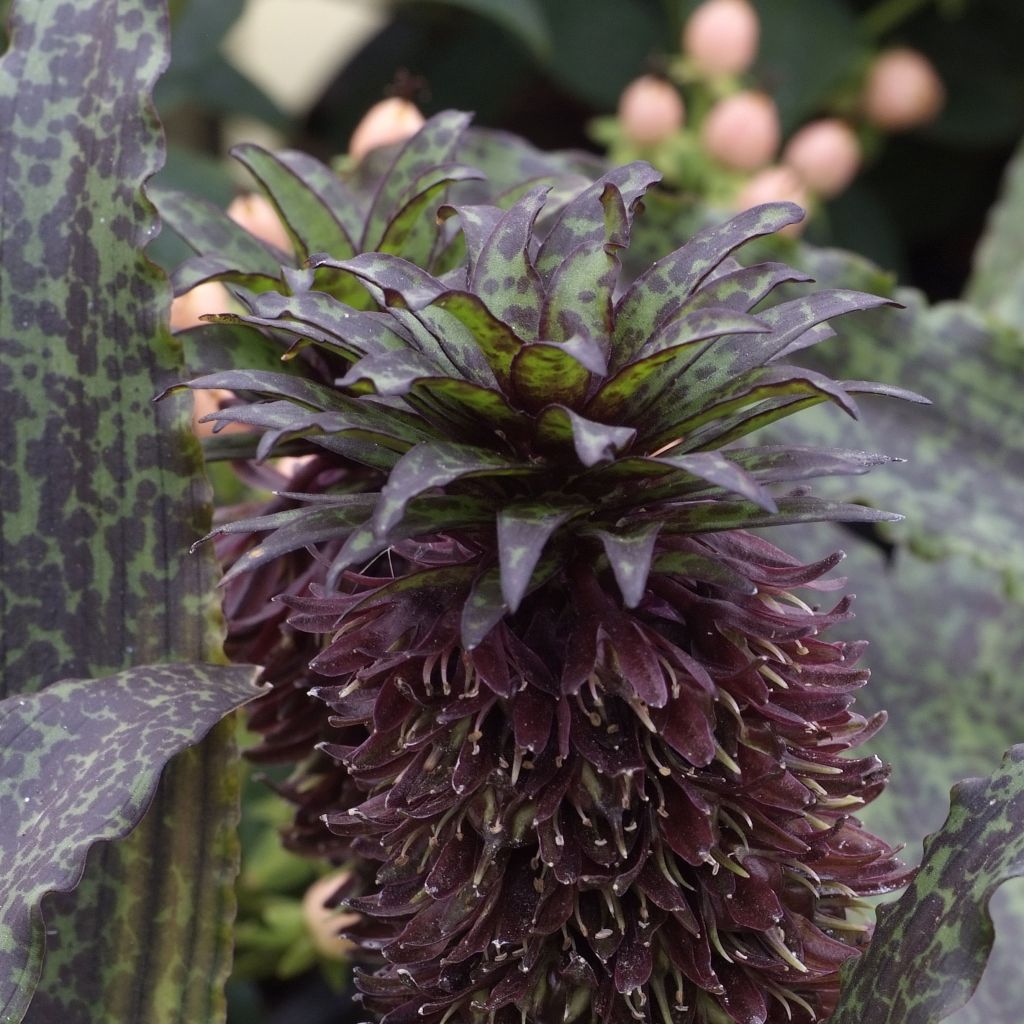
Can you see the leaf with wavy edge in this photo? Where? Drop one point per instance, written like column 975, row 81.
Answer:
column 79, row 763
column 930, row 946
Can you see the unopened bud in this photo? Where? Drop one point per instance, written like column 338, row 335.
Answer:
column 650, row 110
column 826, row 154
column 778, row 184
column 721, row 36
column 256, row 214
column 903, row 90
column 742, row 131
column 385, row 123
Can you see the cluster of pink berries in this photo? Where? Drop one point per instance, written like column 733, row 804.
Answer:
column 740, row 131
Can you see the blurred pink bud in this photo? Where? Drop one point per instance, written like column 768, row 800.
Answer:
column 210, row 297
column 650, row 109
column 387, row 122
column 721, row 36
column 324, row 924
column 742, row 131
column 774, row 185
column 257, row 215
column 903, row 90
column 826, row 154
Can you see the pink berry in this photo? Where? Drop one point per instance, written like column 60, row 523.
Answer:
column 721, row 36
column 742, row 131
column 826, row 154
column 650, row 110
column 256, row 214
column 903, row 90
column 390, row 121
column 773, row 185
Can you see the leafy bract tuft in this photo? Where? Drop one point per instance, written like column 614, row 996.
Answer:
column 586, row 740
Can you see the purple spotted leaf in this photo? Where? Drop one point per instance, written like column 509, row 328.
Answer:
column 600, row 213
column 412, row 231
column 313, row 224
column 434, row 144
column 498, row 343
column 660, row 292
column 629, row 554
column 211, row 233
column 667, row 357
column 504, row 275
column 434, row 465
column 930, row 947
column 79, row 763
column 744, row 288
column 523, row 531
column 703, row 517
column 546, row 372
column 103, row 493
column 592, row 442
column 578, row 299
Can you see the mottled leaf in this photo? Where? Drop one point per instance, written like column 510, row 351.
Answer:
column 930, row 946
column 744, row 288
column 593, row 442
column 546, row 372
column 433, row 465
column 523, row 531
column 310, row 220
column 669, row 355
column 79, row 763
column 661, row 291
column 498, row 342
column 412, row 231
column 433, row 144
column 578, row 300
column 704, row 517
column 210, row 232
column 629, row 555
column 594, row 215
column 504, row 275
column 102, row 494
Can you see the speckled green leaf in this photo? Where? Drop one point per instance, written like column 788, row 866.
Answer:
column 412, row 231
column 485, row 606
column 79, row 763
column 102, row 494
column 523, row 531
column 670, row 353
column 212, row 233
column 716, row 469
column 202, row 269
column 434, row 465
column 744, row 288
column 504, row 275
column 230, row 344
column 662, row 290
column 578, row 300
column 434, row 144
column 704, row 517
column 473, row 407
column 498, row 342
column 348, row 330
column 593, row 442
column 601, row 213
column 545, row 372
column 930, row 947
column 310, row 220
column 629, row 555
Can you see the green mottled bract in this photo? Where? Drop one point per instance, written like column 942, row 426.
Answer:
column 931, row 945
column 101, row 495
column 79, row 763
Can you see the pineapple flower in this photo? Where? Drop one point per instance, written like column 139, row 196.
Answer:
column 590, row 743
